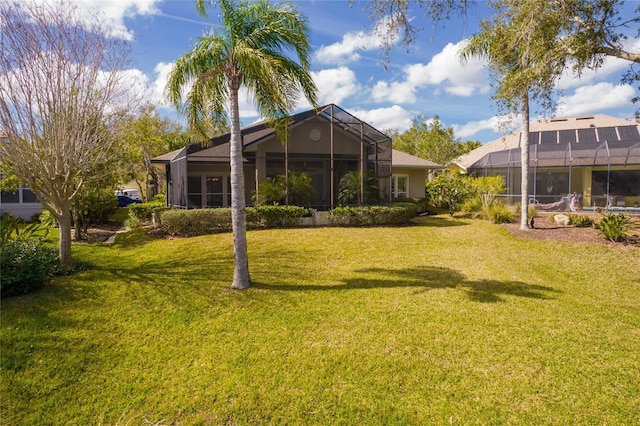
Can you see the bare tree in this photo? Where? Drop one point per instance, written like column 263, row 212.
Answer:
column 61, row 78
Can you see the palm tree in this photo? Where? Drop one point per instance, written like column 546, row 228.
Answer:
column 251, row 50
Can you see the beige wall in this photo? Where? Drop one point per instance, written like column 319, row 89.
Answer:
column 416, row 180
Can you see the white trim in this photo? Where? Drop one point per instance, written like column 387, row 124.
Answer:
column 394, row 185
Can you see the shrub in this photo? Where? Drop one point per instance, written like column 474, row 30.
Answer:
column 188, row 223
column 350, row 186
column 421, row 203
column 450, row 190
column 142, row 212
column 273, row 190
column 394, row 214
column 277, row 216
column 615, row 226
column 483, row 193
column 26, row 263
column 500, row 213
column 47, row 219
column 95, row 205
column 579, row 221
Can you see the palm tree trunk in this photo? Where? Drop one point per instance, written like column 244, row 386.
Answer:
column 524, row 161
column 241, row 279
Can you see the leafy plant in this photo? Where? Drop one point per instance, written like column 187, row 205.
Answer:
column 450, row 190
column 350, row 186
column 274, row 190
column 615, row 226
column 579, row 220
column 394, row 214
column 500, row 213
column 11, row 229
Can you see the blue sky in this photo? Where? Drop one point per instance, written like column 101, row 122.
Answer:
column 427, row 78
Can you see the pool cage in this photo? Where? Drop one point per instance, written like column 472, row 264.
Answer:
column 344, row 144
column 558, row 169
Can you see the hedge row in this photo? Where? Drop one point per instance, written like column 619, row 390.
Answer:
column 188, row 223
column 394, row 214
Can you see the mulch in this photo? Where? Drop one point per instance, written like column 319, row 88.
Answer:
column 547, row 230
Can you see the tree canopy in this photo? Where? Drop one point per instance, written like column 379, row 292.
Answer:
column 431, row 140
column 61, row 83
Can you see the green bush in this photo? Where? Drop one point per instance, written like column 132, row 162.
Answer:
column 95, row 205
column 142, row 212
column 483, row 193
column 500, row 213
column 277, row 216
column 421, row 203
column 394, row 214
column 26, row 263
column 580, row 221
column 188, row 223
column 615, row 226
column 450, row 190
column 273, row 190
column 349, row 188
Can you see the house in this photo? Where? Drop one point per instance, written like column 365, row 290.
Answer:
column 596, row 156
column 325, row 144
column 18, row 202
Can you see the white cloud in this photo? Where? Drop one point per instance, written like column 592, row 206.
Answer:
column 347, row 50
column 598, row 97
column 114, row 12
column 497, row 124
column 445, row 68
column 397, row 92
column 336, row 84
column 155, row 91
column 392, row 118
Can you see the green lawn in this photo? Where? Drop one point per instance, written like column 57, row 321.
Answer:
column 447, row 322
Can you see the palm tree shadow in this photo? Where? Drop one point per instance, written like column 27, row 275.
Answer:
column 425, row 279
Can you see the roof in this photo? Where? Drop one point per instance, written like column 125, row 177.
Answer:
column 257, row 132
column 408, row 161
column 554, row 135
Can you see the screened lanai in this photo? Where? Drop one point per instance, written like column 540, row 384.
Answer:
column 601, row 164
column 325, row 144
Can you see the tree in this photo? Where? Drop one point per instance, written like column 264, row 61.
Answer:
column 529, row 44
column 60, row 81
column 450, row 189
column 250, row 50
column 525, row 60
column 395, row 25
column 145, row 136
column 429, row 139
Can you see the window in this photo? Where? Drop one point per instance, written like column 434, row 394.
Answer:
column 208, row 191
column 215, row 191
column 400, row 186
column 194, row 191
column 18, row 196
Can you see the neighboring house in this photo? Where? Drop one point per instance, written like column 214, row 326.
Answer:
column 325, row 144
column 596, row 156
column 19, row 202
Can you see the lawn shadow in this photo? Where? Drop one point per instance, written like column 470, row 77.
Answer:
column 426, row 279
column 438, row 221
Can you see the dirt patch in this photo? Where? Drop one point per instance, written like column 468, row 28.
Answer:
column 101, row 233
column 546, row 230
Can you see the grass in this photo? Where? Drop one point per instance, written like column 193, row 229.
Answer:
column 449, row 322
